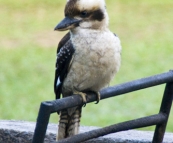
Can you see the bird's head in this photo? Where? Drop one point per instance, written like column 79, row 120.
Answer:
column 86, row 14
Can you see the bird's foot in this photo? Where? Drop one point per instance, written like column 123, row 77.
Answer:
column 83, row 95
column 98, row 97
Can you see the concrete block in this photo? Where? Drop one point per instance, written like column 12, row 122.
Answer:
column 22, row 132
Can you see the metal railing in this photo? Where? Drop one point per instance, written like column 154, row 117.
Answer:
column 160, row 119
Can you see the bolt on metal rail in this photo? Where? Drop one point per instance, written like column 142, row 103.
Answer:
column 160, row 119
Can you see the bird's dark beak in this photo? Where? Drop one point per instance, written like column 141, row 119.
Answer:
column 67, row 23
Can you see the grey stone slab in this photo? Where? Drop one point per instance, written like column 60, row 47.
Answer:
column 22, row 132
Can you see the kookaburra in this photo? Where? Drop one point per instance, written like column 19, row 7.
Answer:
column 88, row 57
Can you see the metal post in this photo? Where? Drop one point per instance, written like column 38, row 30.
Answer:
column 165, row 109
column 42, row 122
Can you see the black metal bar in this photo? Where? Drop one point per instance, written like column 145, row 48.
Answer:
column 133, row 124
column 165, row 109
column 42, row 122
column 76, row 100
column 138, row 84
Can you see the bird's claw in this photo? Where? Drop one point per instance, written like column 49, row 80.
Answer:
column 84, row 104
column 98, row 97
column 83, row 95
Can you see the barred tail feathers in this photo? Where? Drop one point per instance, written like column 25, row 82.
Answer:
column 69, row 122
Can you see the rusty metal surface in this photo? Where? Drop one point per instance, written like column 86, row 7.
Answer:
column 49, row 107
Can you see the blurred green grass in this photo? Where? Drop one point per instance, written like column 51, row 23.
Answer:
column 28, row 53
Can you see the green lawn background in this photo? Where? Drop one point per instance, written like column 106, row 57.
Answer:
column 28, row 52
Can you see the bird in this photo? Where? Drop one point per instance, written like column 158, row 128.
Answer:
column 88, row 57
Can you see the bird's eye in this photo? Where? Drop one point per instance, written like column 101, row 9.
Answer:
column 84, row 14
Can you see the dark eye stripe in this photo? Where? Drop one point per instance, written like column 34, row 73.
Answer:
column 71, row 10
column 97, row 15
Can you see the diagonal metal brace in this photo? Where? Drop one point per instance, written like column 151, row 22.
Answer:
column 133, row 124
